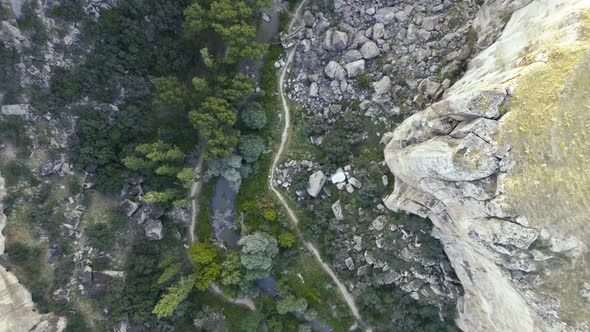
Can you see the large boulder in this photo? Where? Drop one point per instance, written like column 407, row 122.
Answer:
column 316, row 183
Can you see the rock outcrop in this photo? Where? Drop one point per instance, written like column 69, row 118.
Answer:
column 500, row 167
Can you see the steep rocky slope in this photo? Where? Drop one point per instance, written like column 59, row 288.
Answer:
column 17, row 310
column 499, row 166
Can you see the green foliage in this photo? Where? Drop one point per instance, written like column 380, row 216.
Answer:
column 231, row 269
column 238, row 88
column 215, row 120
column 207, row 266
column 257, row 252
column 170, row 92
column 164, row 160
column 251, row 147
column 253, row 117
column 100, row 236
column 207, row 58
column 291, row 304
column 160, row 196
column 286, row 239
column 232, row 21
column 363, row 81
column 176, row 294
column 170, row 272
column 270, row 214
column 19, row 253
column 102, row 138
column 195, row 19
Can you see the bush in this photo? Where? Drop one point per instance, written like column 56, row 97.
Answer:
column 286, row 240
column 254, row 118
column 19, row 253
column 100, row 236
column 251, row 147
column 363, row 81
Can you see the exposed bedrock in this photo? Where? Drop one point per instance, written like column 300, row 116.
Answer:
column 500, row 167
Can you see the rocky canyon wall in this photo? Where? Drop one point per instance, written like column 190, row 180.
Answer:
column 500, row 167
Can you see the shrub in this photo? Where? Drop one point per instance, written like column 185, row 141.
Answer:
column 254, row 118
column 363, row 81
column 286, row 240
column 251, row 147
column 100, row 236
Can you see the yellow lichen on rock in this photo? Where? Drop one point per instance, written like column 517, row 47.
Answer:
column 547, row 126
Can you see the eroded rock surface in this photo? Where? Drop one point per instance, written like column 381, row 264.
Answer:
column 500, row 167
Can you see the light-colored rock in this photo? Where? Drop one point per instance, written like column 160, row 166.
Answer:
column 129, row 207
column 349, row 188
column 379, row 223
column 355, row 182
column 355, row 68
column 349, row 263
column 335, row 70
column 339, row 40
column 378, row 31
column 316, row 183
column 352, row 56
column 313, row 89
column 16, row 109
column 338, row 176
column 153, row 230
column 370, row 50
column 382, row 86
column 387, row 15
column 337, row 210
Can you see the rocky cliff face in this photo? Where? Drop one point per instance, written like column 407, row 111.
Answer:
column 500, row 167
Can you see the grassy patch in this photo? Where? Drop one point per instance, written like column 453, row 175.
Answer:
column 204, row 228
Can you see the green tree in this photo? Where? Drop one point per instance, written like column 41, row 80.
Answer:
column 207, row 266
column 195, row 19
column 257, row 252
column 160, row 196
column 231, row 269
column 170, row 92
column 176, row 294
column 215, row 120
column 238, row 88
column 164, row 160
column 170, row 272
column 286, row 239
column 253, row 117
column 251, row 147
column 291, row 303
column 207, row 58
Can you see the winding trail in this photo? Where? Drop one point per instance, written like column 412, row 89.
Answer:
column 284, row 139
